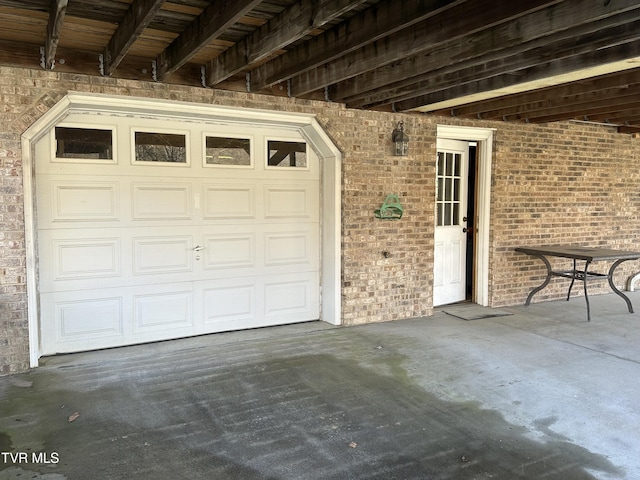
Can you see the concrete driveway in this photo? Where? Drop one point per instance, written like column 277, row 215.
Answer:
column 537, row 393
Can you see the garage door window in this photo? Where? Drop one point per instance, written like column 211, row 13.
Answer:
column 83, row 143
column 160, row 147
column 227, row 151
column 287, row 154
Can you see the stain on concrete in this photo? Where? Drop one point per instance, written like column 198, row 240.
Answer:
column 252, row 416
column 5, row 442
column 543, row 425
column 15, row 473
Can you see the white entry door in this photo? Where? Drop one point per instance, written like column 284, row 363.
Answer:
column 449, row 281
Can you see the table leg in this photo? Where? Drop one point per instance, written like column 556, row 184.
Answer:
column 586, row 296
column 546, row 281
column 613, row 287
column 573, row 279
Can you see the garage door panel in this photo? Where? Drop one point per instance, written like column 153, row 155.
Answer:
column 64, row 202
column 288, row 248
column 87, row 258
column 260, row 249
column 167, row 310
column 93, row 318
column 161, row 201
column 290, row 201
column 158, row 255
column 84, row 201
column 230, row 250
column 229, row 201
column 229, row 303
column 79, row 322
column 291, row 296
column 79, row 258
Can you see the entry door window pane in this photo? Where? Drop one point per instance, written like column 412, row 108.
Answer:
column 287, row 154
column 160, row 147
column 84, row 143
column 228, row 151
column 448, row 173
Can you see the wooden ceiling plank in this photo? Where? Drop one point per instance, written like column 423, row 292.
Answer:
column 558, row 103
column 384, row 18
column 498, row 108
column 209, row 25
column 455, row 22
column 628, row 116
column 556, row 67
column 629, row 129
column 135, row 21
column 570, row 109
column 535, row 29
column 292, row 24
column 57, row 13
column 589, row 111
column 549, row 101
column 517, row 64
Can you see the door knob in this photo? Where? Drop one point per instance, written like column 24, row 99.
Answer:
column 197, row 248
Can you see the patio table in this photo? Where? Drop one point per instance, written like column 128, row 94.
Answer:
column 586, row 254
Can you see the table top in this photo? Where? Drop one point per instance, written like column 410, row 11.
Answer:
column 580, row 253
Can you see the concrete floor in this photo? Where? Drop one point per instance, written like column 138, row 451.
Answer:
column 536, row 394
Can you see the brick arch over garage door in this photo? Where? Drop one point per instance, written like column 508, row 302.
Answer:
column 47, row 335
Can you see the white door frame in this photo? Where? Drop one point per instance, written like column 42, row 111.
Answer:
column 306, row 124
column 484, row 137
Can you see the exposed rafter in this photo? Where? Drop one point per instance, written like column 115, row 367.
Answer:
column 210, row 24
column 629, row 115
column 533, row 61
column 298, row 20
column 136, row 20
column 454, row 22
column 57, row 12
column 386, row 18
column 595, row 109
column 539, row 30
column 559, row 70
column 520, row 67
column 501, row 108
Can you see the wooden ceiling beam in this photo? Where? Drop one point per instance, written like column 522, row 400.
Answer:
column 80, row 62
column 57, row 11
column 570, row 65
column 455, row 22
column 625, row 115
column 209, row 25
column 382, row 19
column 498, row 108
column 548, row 99
column 292, row 24
column 601, row 106
column 628, row 116
column 551, row 103
column 135, row 21
column 516, row 65
column 629, row 129
column 536, row 29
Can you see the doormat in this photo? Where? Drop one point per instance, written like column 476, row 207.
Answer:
column 473, row 312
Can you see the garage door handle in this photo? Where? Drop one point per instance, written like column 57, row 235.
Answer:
column 197, row 248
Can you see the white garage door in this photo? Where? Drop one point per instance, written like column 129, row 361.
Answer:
column 153, row 229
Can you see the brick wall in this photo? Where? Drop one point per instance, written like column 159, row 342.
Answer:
column 549, row 184
column 14, row 346
column 564, row 183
